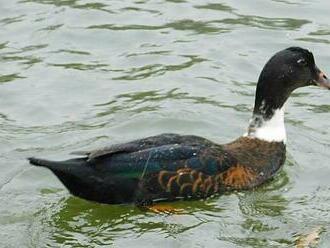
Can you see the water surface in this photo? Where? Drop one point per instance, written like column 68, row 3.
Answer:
column 82, row 74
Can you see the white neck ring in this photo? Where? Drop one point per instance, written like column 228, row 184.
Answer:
column 272, row 130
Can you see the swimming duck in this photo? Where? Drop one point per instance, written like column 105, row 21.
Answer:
column 173, row 166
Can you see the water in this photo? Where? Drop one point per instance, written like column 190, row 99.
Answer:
column 82, row 74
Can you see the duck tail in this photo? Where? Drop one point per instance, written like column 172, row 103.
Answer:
column 42, row 162
column 57, row 165
column 90, row 182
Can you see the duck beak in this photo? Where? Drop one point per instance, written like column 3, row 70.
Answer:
column 321, row 79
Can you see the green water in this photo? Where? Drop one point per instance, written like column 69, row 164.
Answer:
column 82, row 74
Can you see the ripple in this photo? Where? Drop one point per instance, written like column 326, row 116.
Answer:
column 51, row 27
column 5, row 117
column 80, row 66
column 254, row 21
column 314, row 40
column 198, row 27
column 320, row 32
column 321, row 108
column 176, row 1
column 126, row 27
column 216, row 6
column 11, row 20
column 141, row 10
column 266, row 23
column 72, row 52
column 16, row 55
column 26, row 60
column 3, row 45
column 166, row 52
column 262, row 204
column 10, row 77
column 73, row 4
column 134, row 102
column 290, row 2
column 158, row 69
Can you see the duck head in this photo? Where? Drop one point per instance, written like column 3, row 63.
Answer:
column 286, row 71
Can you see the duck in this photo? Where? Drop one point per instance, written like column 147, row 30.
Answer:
column 170, row 166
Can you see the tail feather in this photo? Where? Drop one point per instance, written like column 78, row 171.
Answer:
column 42, row 162
column 95, row 183
column 57, row 165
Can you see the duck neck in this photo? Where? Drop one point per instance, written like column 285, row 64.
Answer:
column 267, row 122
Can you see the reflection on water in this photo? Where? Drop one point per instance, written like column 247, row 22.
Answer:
column 78, row 74
column 77, row 223
column 75, row 220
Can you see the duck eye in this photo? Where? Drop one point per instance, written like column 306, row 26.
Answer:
column 302, row 62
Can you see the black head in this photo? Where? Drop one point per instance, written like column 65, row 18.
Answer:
column 286, row 71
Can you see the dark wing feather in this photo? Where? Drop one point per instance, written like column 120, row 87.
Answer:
column 155, row 159
column 169, row 171
column 142, row 144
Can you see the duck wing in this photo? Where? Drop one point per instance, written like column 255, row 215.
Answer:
column 164, row 172
column 140, row 175
column 163, row 167
column 142, row 144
